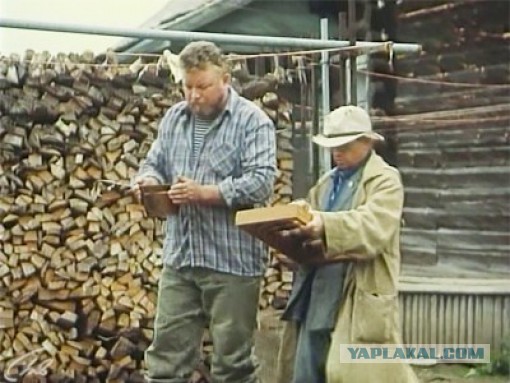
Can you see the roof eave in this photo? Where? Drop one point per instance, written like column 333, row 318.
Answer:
column 190, row 21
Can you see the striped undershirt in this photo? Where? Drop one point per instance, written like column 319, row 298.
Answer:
column 200, row 129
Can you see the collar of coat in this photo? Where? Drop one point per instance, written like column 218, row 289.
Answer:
column 373, row 167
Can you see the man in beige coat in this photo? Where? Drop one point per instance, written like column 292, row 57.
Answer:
column 361, row 233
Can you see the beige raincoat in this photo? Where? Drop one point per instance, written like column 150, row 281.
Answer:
column 369, row 309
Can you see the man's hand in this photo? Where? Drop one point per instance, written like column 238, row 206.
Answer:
column 185, row 191
column 301, row 202
column 311, row 231
column 315, row 228
column 310, row 236
column 142, row 181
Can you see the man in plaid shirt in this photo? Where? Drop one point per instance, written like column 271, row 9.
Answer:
column 218, row 152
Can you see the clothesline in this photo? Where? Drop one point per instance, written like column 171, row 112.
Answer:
column 370, row 73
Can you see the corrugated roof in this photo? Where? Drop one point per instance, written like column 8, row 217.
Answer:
column 184, row 15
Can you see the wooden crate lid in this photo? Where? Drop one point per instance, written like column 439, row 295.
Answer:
column 268, row 225
column 273, row 214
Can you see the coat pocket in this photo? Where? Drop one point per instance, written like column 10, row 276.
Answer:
column 373, row 317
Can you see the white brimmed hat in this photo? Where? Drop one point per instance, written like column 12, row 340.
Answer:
column 346, row 124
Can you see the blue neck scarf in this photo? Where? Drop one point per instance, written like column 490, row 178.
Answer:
column 340, row 176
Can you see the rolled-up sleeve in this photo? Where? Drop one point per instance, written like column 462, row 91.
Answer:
column 258, row 168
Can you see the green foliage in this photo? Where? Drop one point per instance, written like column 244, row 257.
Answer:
column 500, row 361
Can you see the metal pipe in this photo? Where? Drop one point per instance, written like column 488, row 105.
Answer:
column 314, row 149
column 219, row 38
column 342, row 32
column 352, row 28
column 325, row 68
column 325, row 156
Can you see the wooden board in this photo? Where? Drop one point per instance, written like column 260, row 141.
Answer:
column 281, row 215
column 269, row 225
column 156, row 201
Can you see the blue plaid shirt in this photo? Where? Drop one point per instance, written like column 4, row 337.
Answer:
column 239, row 155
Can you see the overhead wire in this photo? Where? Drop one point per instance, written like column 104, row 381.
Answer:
column 433, row 82
column 303, row 53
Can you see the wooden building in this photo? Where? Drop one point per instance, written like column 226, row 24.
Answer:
column 452, row 130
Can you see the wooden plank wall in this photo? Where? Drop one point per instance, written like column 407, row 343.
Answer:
column 453, row 141
column 453, row 151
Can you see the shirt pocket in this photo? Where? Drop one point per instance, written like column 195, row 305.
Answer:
column 373, row 317
column 223, row 160
column 178, row 162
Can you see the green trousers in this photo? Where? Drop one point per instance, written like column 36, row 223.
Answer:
column 190, row 299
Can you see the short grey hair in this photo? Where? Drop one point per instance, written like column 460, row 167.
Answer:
column 200, row 54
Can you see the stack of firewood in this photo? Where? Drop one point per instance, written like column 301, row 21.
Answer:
column 79, row 259
column 278, row 278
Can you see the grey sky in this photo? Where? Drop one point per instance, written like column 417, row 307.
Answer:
column 109, row 13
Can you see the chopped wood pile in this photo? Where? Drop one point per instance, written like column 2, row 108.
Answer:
column 79, row 258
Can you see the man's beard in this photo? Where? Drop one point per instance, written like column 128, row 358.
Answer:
column 209, row 113
column 213, row 111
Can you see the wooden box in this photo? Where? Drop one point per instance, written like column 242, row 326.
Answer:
column 156, row 201
column 269, row 223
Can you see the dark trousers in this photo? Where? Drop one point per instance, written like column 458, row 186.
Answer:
column 311, row 355
column 188, row 300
